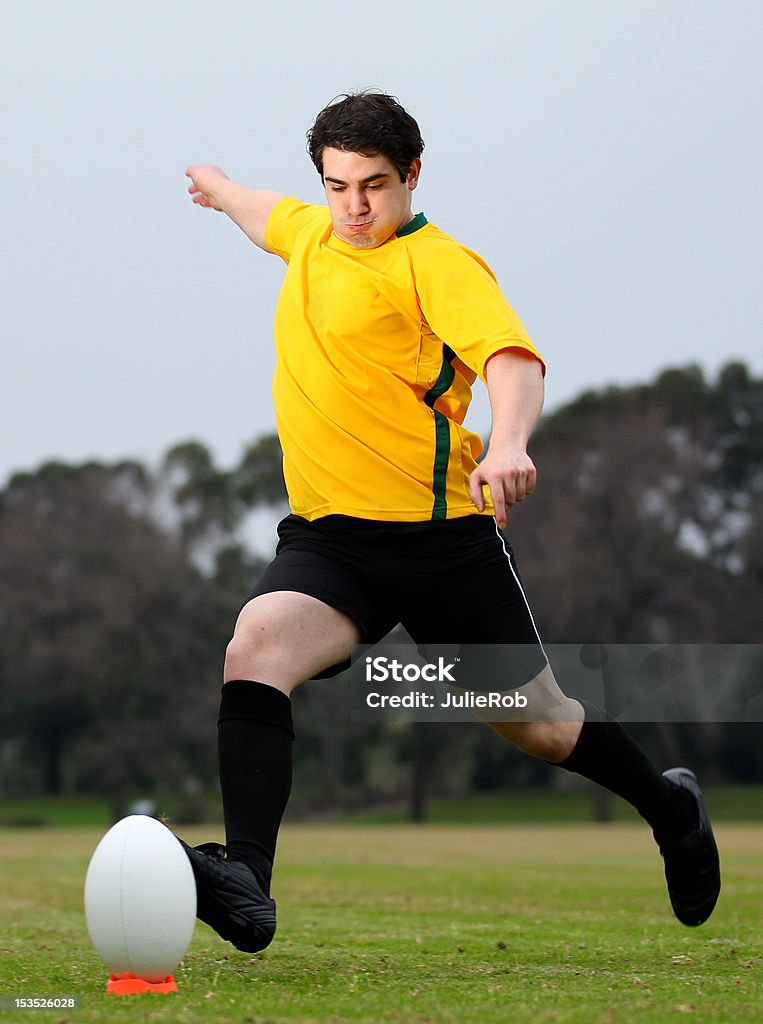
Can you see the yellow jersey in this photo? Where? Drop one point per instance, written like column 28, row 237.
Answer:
column 377, row 350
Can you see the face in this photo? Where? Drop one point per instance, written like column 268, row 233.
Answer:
column 367, row 200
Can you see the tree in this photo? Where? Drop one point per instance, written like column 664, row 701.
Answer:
column 107, row 638
column 645, row 527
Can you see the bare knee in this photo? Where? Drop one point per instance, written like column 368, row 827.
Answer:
column 285, row 638
column 265, row 643
column 548, row 741
column 552, row 721
column 253, row 654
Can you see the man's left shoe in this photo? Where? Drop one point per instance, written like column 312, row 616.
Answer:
column 692, row 867
column 230, row 899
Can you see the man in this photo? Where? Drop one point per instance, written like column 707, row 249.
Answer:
column 383, row 324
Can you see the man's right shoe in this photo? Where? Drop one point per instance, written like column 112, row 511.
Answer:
column 692, row 867
column 230, row 899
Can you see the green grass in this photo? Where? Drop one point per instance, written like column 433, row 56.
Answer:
column 727, row 803
column 35, row 812
column 440, row 924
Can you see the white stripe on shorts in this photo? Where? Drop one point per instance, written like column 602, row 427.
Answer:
column 521, row 589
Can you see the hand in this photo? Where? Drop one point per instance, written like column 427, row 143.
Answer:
column 203, row 182
column 510, row 475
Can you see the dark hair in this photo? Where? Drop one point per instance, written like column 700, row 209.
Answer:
column 369, row 123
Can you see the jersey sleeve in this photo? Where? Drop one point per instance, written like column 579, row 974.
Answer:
column 287, row 219
column 463, row 304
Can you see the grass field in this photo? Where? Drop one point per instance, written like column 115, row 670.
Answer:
column 441, row 924
column 544, row 804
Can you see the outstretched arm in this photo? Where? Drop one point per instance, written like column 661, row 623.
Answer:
column 515, row 385
column 249, row 208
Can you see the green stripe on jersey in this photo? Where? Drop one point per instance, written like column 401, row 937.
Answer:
column 442, row 434
column 413, row 225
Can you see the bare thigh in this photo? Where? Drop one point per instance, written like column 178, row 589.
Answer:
column 285, row 638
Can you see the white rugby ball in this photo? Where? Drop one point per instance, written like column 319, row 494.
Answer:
column 140, row 899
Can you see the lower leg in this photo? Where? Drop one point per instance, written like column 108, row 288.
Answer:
column 607, row 755
column 282, row 638
column 578, row 737
column 255, row 738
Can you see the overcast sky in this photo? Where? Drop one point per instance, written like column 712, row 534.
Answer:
column 602, row 155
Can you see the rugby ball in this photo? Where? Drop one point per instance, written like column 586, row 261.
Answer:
column 140, row 899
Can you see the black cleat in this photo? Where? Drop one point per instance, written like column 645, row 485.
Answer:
column 692, row 867
column 230, row 899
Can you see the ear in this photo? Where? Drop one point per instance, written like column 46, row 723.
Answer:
column 413, row 174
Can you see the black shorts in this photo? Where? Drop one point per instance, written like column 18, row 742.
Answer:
column 446, row 581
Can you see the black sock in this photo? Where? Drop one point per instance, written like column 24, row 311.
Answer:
column 254, row 737
column 607, row 755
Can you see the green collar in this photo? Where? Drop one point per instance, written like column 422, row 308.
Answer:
column 413, row 225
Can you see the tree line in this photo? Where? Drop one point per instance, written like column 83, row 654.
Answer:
column 119, row 585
